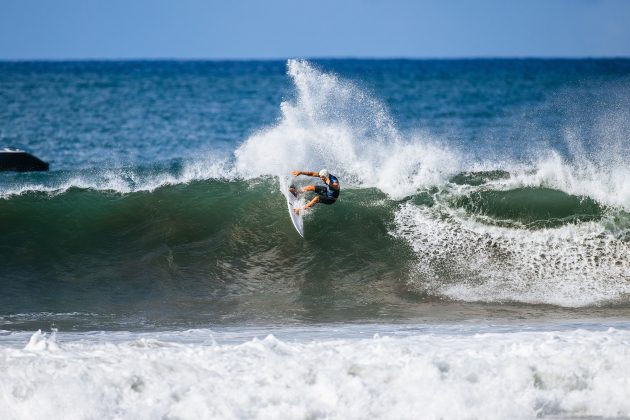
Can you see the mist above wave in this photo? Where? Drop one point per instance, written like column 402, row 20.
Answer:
column 334, row 124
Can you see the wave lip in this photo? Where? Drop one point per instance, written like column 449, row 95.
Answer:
column 601, row 177
column 533, row 208
column 121, row 180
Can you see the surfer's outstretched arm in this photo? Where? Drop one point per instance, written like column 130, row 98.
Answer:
column 298, row 173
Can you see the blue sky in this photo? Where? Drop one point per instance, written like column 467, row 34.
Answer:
column 243, row 29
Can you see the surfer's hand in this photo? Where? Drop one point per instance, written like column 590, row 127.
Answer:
column 296, row 173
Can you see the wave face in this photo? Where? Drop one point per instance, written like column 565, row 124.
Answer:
column 228, row 247
column 422, row 219
column 201, row 245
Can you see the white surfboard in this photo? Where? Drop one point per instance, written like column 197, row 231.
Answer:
column 298, row 222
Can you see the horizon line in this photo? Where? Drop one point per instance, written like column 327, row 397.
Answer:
column 331, row 58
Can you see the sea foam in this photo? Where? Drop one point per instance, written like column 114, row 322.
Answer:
column 461, row 258
column 521, row 375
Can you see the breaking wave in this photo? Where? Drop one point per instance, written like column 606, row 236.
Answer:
column 552, row 230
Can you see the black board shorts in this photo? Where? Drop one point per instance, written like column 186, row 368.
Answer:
column 323, row 198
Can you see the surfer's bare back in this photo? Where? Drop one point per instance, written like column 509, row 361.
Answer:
column 326, row 194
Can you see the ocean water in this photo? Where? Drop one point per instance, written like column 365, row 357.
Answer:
column 476, row 265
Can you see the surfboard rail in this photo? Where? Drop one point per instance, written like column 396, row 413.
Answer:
column 296, row 219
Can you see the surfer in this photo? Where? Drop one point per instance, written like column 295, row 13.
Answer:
column 326, row 194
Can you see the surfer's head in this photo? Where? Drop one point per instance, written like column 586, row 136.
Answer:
column 324, row 173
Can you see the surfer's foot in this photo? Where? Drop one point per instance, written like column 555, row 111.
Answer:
column 297, row 211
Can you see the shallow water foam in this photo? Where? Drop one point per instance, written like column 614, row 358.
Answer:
column 487, row 375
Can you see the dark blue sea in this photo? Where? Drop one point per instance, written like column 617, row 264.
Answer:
column 475, row 265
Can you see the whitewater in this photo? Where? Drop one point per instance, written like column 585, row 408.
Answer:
column 439, row 372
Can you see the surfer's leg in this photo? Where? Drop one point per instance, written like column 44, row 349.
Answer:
column 296, row 191
column 312, row 202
